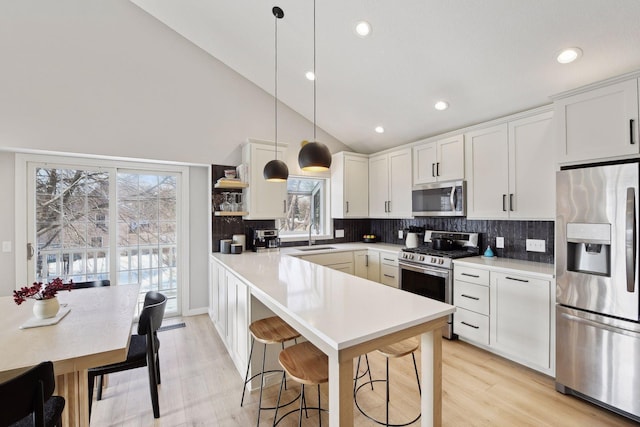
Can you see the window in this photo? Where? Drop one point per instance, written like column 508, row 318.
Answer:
column 307, row 207
column 93, row 220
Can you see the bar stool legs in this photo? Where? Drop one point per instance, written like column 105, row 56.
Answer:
column 271, row 330
column 307, row 365
column 393, row 351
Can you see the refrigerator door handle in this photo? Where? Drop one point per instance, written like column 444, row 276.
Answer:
column 630, row 239
column 599, row 325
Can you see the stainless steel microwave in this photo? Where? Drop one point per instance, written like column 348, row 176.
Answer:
column 439, row 199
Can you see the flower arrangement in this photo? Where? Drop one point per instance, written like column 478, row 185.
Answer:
column 38, row 291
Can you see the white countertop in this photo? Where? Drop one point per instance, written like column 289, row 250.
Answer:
column 340, row 247
column 530, row 268
column 342, row 310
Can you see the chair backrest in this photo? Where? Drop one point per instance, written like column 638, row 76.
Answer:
column 91, row 284
column 152, row 313
column 26, row 394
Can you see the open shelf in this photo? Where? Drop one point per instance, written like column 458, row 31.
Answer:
column 231, row 184
column 225, row 213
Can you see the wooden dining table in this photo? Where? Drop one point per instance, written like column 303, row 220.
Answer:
column 95, row 332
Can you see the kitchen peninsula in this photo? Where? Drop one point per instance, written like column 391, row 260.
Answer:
column 341, row 314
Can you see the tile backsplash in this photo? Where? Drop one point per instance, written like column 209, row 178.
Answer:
column 386, row 230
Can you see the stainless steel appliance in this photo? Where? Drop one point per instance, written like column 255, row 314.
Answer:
column 428, row 271
column 439, row 199
column 597, row 297
column 265, row 240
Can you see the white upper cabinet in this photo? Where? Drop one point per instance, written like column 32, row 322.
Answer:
column 510, row 170
column 349, row 185
column 487, row 168
column 598, row 124
column 439, row 160
column 390, row 184
column 264, row 199
column 532, row 168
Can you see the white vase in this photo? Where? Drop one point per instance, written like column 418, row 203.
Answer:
column 46, row 308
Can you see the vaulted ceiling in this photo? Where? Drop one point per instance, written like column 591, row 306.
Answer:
column 486, row 58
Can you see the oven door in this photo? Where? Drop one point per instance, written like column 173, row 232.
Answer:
column 430, row 282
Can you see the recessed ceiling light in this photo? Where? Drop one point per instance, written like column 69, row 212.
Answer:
column 569, row 55
column 310, row 76
column 379, row 129
column 441, row 105
column 363, row 28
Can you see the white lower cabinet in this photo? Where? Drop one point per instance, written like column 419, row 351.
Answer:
column 366, row 264
column 471, row 297
column 521, row 318
column 509, row 314
column 389, row 273
column 229, row 309
column 342, row 261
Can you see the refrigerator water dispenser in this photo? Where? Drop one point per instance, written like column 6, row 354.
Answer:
column 589, row 248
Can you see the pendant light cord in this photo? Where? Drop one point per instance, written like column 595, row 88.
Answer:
column 315, row 76
column 276, row 83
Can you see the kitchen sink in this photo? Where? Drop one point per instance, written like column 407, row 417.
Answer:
column 316, row 248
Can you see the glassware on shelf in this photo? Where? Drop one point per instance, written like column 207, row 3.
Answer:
column 225, row 206
column 237, row 202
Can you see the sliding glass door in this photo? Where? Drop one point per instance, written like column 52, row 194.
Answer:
column 92, row 223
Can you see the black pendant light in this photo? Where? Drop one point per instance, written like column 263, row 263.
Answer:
column 314, row 156
column 276, row 170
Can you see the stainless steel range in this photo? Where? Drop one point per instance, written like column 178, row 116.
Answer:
column 428, row 269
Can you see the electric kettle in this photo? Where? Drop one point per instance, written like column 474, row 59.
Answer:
column 412, row 240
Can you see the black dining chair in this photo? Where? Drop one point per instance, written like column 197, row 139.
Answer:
column 91, row 284
column 27, row 400
column 143, row 350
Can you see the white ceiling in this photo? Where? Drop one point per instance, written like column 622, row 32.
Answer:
column 487, row 58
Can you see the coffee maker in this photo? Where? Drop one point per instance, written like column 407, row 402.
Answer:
column 265, row 240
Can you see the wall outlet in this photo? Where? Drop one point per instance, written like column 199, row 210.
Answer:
column 500, row 242
column 339, row 233
column 6, row 246
column 534, row 245
column 400, row 234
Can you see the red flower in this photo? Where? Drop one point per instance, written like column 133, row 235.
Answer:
column 39, row 292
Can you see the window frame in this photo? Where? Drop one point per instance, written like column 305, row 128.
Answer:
column 23, row 162
column 325, row 213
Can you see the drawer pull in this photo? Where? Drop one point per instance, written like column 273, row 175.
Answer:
column 470, row 325
column 517, row 280
column 470, row 275
column 388, row 275
column 389, row 259
column 470, row 297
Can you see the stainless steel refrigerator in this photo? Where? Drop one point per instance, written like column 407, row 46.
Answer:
column 597, row 295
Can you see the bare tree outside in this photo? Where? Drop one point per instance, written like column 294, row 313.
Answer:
column 72, row 220
column 72, row 228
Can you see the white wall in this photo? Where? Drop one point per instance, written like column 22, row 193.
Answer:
column 105, row 78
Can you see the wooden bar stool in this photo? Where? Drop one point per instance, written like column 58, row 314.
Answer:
column 395, row 351
column 307, row 365
column 272, row 330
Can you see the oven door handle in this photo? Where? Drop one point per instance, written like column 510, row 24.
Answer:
column 438, row 272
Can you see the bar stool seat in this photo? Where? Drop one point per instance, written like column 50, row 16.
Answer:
column 271, row 330
column 391, row 351
column 307, row 365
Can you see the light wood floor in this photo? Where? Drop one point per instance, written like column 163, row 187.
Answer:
column 201, row 387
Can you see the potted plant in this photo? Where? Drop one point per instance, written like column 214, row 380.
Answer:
column 45, row 296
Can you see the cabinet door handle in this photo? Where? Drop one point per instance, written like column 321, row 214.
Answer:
column 516, row 279
column 438, row 169
column 470, row 325
column 388, row 275
column 433, row 173
column 366, row 260
column 511, row 202
column 389, row 205
column 284, row 206
column 504, row 200
column 470, row 275
column 470, row 297
column 631, row 131
column 347, row 207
